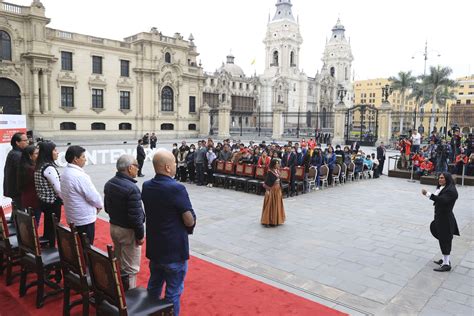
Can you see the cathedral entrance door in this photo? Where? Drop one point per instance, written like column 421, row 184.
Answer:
column 10, row 100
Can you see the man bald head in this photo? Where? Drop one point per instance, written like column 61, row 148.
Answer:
column 164, row 163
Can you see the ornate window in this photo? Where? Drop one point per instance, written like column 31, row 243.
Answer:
column 5, row 46
column 67, row 126
column 192, row 104
column 97, row 65
column 124, row 100
column 332, row 71
column 124, row 68
column 125, row 126
column 167, row 58
column 167, row 127
column 97, row 98
column 66, row 61
column 324, row 118
column 275, row 59
column 167, row 99
column 292, row 59
column 67, row 97
column 98, row 126
column 192, row 127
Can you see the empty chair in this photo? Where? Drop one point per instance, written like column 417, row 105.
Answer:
column 299, row 178
column 343, row 173
column 219, row 174
column 110, row 297
column 350, row 172
column 73, row 265
column 9, row 251
column 285, row 177
column 42, row 262
column 256, row 184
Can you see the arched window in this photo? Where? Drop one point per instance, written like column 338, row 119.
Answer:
column 67, row 126
column 10, row 99
column 292, row 59
column 98, row 126
column 192, row 127
column 5, row 46
column 324, row 118
column 167, row 127
column 167, row 99
column 332, row 71
column 167, row 58
column 125, row 126
column 275, row 59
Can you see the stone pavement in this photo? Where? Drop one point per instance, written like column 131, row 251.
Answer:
column 361, row 248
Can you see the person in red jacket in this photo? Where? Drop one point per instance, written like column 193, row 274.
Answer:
column 460, row 161
column 426, row 167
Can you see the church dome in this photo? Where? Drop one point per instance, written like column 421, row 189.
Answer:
column 232, row 68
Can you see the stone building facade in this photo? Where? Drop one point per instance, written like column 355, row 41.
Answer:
column 76, row 86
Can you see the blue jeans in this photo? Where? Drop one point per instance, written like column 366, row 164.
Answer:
column 171, row 273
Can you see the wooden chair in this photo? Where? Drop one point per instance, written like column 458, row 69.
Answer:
column 9, row 251
column 299, row 179
column 350, row 172
column 8, row 208
column 229, row 171
column 36, row 260
column 336, row 172
column 74, row 267
column 285, row 178
column 219, row 175
column 240, row 178
column 109, row 294
column 249, row 172
column 343, row 173
column 312, row 173
column 323, row 175
column 256, row 184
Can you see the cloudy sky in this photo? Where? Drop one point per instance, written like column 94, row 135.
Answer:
column 384, row 35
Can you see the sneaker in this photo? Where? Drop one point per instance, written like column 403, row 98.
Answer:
column 317, row 188
column 210, row 185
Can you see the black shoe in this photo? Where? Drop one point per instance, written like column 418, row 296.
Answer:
column 440, row 261
column 443, row 268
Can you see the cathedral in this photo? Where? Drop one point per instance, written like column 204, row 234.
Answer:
column 72, row 85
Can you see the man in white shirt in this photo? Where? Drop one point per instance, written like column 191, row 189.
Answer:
column 416, row 141
column 81, row 200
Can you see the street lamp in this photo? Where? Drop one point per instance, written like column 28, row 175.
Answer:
column 341, row 94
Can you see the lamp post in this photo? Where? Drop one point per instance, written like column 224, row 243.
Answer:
column 386, row 92
column 341, row 94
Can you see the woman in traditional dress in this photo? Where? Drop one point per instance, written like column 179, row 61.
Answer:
column 273, row 212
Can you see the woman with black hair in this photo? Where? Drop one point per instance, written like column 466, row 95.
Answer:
column 273, row 212
column 26, row 181
column 444, row 225
column 48, row 187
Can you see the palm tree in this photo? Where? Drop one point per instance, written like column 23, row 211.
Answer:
column 402, row 83
column 437, row 83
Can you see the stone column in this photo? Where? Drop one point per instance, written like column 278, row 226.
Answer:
column 45, row 92
column 35, row 93
column 224, row 121
column 384, row 132
column 277, row 121
column 339, row 124
column 204, row 120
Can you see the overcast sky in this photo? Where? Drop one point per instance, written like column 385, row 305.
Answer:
column 384, row 35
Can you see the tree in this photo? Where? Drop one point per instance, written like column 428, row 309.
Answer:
column 438, row 86
column 402, row 83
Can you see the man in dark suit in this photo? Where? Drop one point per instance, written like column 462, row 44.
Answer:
column 140, row 157
column 10, row 186
column 381, row 155
column 289, row 160
column 170, row 218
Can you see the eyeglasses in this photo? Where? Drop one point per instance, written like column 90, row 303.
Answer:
column 136, row 165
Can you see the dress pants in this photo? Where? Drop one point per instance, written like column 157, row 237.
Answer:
column 127, row 251
column 444, row 245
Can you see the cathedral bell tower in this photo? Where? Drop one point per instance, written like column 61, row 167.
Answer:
column 337, row 59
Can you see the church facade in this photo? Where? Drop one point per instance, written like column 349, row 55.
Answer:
column 76, row 86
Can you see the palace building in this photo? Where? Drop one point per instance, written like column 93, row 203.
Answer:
column 76, row 86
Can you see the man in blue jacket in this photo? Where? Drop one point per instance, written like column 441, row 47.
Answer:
column 170, row 218
column 123, row 203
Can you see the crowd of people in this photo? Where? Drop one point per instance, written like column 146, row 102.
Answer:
column 33, row 182
column 196, row 163
column 436, row 156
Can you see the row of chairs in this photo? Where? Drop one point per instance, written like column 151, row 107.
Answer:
column 85, row 270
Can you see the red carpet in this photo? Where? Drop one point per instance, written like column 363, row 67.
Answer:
column 209, row 290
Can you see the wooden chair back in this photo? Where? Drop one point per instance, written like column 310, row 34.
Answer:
column 312, row 173
column 351, row 167
column 323, row 172
column 220, row 166
column 299, row 173
column 229, row 167
column 285, row 174
column 104, row 270
column 239, row 169
column 27, row 233
column 336, row 172
column 249, row 170
column 71, row 251
column 4, row 231
column 260, row 172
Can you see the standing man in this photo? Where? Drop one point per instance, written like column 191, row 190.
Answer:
column 10, row 188
column 123, row 203
column 170, row 218
column 416, row 141
column 199, row 162
column 153, row 141
column 140, row 157
column 81, row 200
column 381, row 155
column 289, row 160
